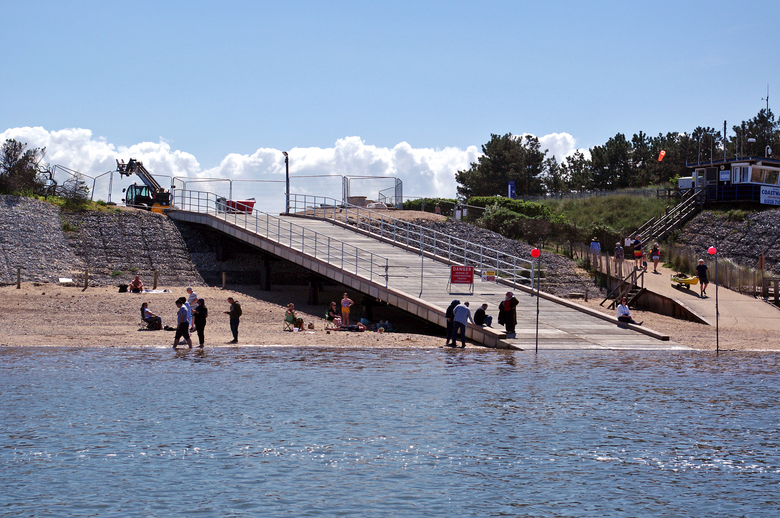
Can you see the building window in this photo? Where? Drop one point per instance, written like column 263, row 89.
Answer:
column 757, row 175
column 771, row 176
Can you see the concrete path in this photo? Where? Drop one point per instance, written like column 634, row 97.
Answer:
column 737, row 311
column 560, row 327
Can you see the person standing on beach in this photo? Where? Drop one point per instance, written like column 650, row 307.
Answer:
column 192, row 298
column 346, row 303
column 200, row 313
column 507, row 313
column 235, row 316
column 449, row 316
column 189, row 311
column 438, row 209
column 701, row 273
column 182, row 325
column 461, row 318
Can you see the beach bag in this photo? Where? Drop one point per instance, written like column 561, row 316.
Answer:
column 157, row 325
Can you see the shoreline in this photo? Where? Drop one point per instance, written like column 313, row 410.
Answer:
column 48, row 315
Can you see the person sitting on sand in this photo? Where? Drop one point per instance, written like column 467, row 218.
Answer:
column 624, row 314
column 333, row 312
column 290, row 316
column 354, row 327
column 149, row 317
column 136, row 286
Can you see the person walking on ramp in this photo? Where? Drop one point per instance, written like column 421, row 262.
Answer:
column 701, row 273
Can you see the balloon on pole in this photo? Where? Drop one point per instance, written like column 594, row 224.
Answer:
column 536, row 254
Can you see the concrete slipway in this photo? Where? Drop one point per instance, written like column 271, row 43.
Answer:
column 404, row 279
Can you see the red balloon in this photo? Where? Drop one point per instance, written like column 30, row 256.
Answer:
column 712, row 250
column 535, row 253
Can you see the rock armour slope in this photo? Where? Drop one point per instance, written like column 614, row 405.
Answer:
column 133, row 242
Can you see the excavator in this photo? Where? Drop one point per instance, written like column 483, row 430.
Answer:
column 150, row 196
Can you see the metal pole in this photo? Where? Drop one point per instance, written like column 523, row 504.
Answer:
column 422, row 259
column 287, row 175
column 717, row 313
column 538, row 287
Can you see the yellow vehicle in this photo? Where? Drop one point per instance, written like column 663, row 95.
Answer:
column 683, row 280
column 150, row 196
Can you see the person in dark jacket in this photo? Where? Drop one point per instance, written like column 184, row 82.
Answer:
column 199, row 315
column 450, row 316
column 507, row 313
column 481, row 318
column 235, row 315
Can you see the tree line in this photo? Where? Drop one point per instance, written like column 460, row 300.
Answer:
column 619, row 163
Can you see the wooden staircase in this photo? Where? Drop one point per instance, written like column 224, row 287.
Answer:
column 658, row 228
column 632, row 287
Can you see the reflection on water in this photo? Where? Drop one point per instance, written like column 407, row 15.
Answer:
column 387, row 432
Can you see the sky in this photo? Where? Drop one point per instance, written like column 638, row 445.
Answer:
column 394, row 89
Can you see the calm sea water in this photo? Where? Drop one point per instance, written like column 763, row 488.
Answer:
column 310, row 432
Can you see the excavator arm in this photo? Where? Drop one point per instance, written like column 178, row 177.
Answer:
column 136, row 167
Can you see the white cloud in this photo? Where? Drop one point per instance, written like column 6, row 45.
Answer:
column 424, row 171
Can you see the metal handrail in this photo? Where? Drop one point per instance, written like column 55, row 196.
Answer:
column 657, row 227
column 410, row 235
column 362, row 262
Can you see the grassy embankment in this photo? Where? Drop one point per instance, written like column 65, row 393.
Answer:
column 619, row 215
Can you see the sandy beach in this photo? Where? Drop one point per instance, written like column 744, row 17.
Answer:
column 47, row 315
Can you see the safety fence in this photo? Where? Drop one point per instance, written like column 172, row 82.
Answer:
column 314, row 244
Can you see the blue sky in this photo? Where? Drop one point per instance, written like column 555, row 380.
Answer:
column 198, row 84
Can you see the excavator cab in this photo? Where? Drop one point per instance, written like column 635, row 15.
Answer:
column 138, row 196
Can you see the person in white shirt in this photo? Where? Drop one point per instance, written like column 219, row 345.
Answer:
column 624, row 314
column 192, row 298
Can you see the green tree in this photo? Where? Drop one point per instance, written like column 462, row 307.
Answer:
column 763, row 128
column 504, row 158
column 21, row 168
column 578, row 172
column 708, row 143
column 555, row 179
column 611, row 164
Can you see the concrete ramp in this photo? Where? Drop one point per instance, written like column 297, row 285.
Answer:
column 419, row 283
